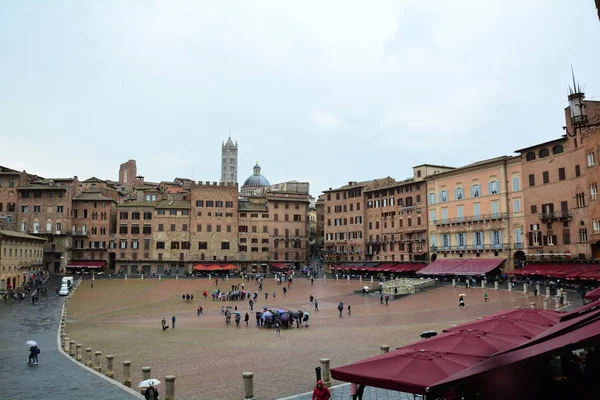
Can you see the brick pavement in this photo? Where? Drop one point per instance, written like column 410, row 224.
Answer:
column 208, row 357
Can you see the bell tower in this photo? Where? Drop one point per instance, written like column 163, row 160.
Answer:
column 229, row 161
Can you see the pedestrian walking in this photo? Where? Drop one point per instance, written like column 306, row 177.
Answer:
column 246, row 318
column 311, row 298
column 316, row 304
column 461, row 302
column 321, row 392
column 284, row 291
column 312, row 280
column 341, row 309
column 274, row 294
column 349, row 309
column 485, row 297
column 163, row 324
column 266, row 296
column 387, row 300
column 356, row 391
column 278, row 327
column 173, row 322
column 380, row 299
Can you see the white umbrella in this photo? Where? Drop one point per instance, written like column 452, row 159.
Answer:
column 31, row 343
column 148, row 383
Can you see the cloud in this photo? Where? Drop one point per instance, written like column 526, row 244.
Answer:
column 324, row 121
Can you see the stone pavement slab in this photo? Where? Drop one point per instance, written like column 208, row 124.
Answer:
column 55, row 377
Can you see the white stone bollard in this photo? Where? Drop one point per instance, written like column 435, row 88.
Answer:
column 482, row 284
column 125, row 276
column 348, row 277
column 496, row 285
column 78, row 356
column 547, row 291
column 545, row 303
column 537, row 287
column 384, row 348
column 88, row 357
column 337, row 277
column 109, row 366
column 453, row 282
column 565, row 301
column 72, row 348
column 160, row 277
column 127, row 373
column 532, row 304
column 371, row 279
column 325, row 372
column 142, row 276
column 98, row 361
column 525, row 288
column 176, row 277
column 248, row 385
column 169, row 387
column 509, row 286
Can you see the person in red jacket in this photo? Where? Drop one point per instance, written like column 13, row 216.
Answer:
column 321, row 392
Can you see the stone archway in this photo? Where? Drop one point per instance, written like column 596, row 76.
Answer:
column 519, row 259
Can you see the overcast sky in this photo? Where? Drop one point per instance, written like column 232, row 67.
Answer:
column 318, row 91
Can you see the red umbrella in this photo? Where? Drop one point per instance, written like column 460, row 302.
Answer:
column 534, row 315
column 470, row 342
column 502, row 325
column 405, row 370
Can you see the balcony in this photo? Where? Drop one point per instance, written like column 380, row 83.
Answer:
column 471, row 247
column 478, row 218
column 80, row 233
column 558, row 215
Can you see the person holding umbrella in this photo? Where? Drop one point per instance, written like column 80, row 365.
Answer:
column 461, row 300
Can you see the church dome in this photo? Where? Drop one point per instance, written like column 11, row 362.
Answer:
column 256, row 180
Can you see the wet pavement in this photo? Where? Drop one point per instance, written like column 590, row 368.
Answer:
column 56, row 377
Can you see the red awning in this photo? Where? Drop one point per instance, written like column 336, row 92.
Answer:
column 475, row 266
column 405, row 370
column 86, row 264
column 200, row 267
column 571, row 337
column 440, row 267
column 536, row 316
column 478, row 266
column 593, row 295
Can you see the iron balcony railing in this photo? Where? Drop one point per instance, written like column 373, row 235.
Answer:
column 477, row 218
column 499, row 246
column 547, row 216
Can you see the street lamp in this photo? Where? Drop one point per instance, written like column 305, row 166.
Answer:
column 577, row 111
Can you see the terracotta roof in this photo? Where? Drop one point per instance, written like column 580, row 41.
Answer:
column 92, row 196
column 352, row 186
column 20, row 235
column 43, row 187
column 179, row 204
column 253, row 207
column 137, row 203
column 558, row 140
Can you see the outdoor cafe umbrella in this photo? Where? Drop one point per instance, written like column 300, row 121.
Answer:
column 502, row 325
column 31, row 343
column 534, row 315
column 470, row 342
column 405, row 370
column 148, row 382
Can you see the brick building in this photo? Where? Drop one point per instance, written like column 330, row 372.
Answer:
column 134, row 236
column 344, row 223
column 476, row 211
column 255, row 234
column 396, row 219
column 20, row 255
column 171, row 232
column 214, row 221
column 10, row 181
column 320, row 208
column 94, row 219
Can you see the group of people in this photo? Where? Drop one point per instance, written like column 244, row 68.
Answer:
column 164, row 325
column 188, row 298
column 34, row 352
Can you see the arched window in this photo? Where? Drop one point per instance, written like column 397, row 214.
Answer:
column 153, row 197
column 558, row 149
column 530, row 156
column 147, row 197
column 544, row 153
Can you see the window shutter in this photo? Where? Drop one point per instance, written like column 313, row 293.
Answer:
column 545, row 240
column 554, row 239
column 530, row 234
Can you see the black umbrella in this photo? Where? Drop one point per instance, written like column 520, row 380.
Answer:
column 428, row 334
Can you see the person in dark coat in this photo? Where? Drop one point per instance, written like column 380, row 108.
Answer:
column 151, row 393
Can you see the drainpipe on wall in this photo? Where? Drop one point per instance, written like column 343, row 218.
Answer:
column 508, row 212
